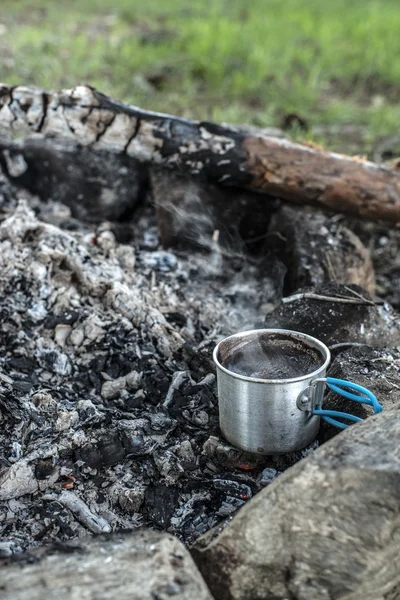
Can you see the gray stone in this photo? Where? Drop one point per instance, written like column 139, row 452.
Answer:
column 135, row 566
column 328, row 528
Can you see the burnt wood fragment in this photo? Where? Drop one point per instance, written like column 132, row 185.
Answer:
column 317, row 249
column 349, row 316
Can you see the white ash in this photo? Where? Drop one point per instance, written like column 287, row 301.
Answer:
column 107, row 391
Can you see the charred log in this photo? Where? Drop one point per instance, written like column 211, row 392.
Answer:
column 299, row 174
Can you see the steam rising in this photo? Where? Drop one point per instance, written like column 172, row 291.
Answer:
column 272, row 357
column 251, row 285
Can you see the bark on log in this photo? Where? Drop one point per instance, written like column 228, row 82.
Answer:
column 296, row 173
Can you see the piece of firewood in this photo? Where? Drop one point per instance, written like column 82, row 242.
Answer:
column 300, row 174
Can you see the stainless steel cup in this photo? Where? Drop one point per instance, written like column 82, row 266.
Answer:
column 265, row 416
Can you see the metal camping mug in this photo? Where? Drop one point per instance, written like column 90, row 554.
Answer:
column 267, row 416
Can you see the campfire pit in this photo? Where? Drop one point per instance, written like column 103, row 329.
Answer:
column 108, row 399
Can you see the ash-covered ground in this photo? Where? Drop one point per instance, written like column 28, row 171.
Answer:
column 108, row 414
column 108, row 407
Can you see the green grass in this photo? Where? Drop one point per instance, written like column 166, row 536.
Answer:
column 330, row 62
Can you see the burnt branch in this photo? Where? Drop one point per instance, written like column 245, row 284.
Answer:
column 299, row 174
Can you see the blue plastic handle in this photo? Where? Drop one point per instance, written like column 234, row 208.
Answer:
column 364, row 396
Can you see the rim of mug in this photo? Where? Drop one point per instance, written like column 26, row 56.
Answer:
column 314, row 342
